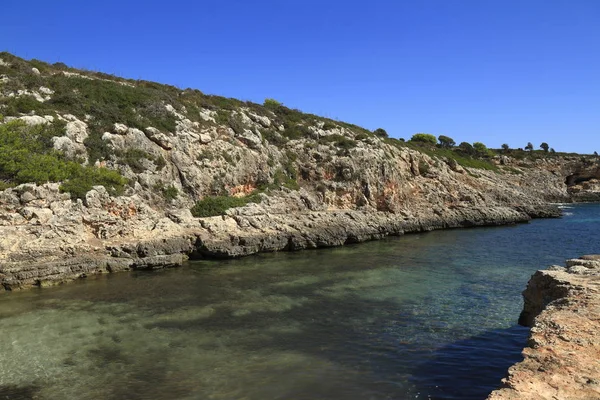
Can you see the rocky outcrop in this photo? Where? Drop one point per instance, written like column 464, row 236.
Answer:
column 562, row 307
column 583, row 184
column 50, row 239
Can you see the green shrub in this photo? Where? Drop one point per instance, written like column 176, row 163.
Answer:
column 168, row 192
column 217, row 205
column 283, row 178
column 160, row 162
column 22, row 105
column 134, row 158
column 424, row 138
column 222, row 117
column 84, row 178
column 296, row 132
column 272, row 103
column 328, row 125
column 480, row 148
column 466, row 148
column 26, row 156
column 380, row 132
column 235, row 122
column 339, row 141
column 97, row 148
column 274, row 138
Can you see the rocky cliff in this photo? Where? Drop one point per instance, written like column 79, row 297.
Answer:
column 100, row 174
column 562, row 307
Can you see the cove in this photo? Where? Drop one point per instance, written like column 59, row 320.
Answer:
column 425, row 316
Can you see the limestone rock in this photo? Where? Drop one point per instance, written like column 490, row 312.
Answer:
column 159, row 138
column 562, row 307
column 77, row 131
column 120, row 129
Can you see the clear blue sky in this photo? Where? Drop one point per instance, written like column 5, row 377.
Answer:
column 496, row 71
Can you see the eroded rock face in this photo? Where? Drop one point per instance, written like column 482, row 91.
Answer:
column 562, row 307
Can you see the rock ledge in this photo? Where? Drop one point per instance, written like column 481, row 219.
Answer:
column 562, row 307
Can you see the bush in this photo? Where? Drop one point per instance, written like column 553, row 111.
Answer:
column 283, row 178
column 339, row 141
column 328, row 125
column 169, row 192
column 466, row 148
column 296, row 132
column 274, row 138
column 134, row 158
column 22, row 105
column 97, row 148
column 217, row 205
column 272, row 103
column 424, row 138
column 26, row 156
column 380, row 132
column 84, row 178
column 480, row 148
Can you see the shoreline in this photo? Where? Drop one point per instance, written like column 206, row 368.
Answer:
column 234, row 236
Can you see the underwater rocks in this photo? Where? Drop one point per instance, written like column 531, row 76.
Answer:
column 562, row 307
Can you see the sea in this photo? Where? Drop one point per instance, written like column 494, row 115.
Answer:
column 420, row 316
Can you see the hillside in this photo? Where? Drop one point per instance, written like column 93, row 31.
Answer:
column 103, row 174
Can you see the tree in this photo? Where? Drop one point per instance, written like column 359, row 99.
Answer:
column 480, row 148
column 424, row 138
column 446, row 142
column 529, row 146
column 544, row 146
column 466, row 148
column 380, row 132
column 596, row 154
column 505, row 148
column 552, row 151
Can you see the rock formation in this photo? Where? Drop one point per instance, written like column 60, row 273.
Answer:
column 320, row 182
column 562, row 307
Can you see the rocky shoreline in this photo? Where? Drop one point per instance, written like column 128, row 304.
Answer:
column 562, row 307
column 240, row 234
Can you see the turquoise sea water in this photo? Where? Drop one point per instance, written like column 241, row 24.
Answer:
column 427, row 316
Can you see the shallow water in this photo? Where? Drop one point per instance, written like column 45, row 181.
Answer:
column 428, row 316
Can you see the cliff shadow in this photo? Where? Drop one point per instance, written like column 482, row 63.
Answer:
column 486, row 360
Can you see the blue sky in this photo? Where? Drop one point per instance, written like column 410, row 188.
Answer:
column 496, row 71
